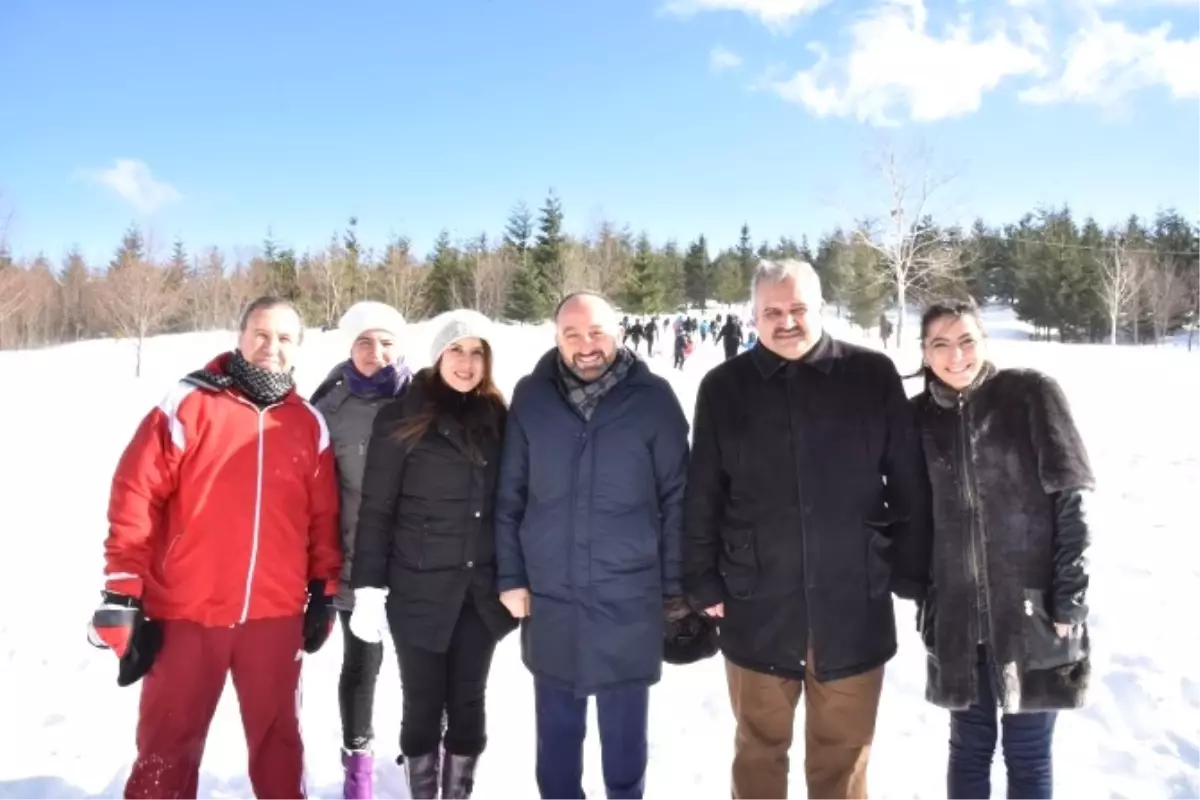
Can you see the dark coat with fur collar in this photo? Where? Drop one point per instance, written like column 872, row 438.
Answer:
column 1006, row 466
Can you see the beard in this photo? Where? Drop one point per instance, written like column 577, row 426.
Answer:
column 592, row 369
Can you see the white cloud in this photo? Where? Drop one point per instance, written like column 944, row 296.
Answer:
column 895, row 65
column 132, row 180
column 1105, row 61
column 721, row 59
column 772, row 13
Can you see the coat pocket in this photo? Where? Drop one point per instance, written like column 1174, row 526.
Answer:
column 738, row 563
column 1044, row 648
column 878, row 560
column 927, row 620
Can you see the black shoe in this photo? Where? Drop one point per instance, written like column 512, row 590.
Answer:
column 422, row 774
column 458, row 776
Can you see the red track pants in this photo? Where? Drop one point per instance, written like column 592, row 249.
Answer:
column 180, row 695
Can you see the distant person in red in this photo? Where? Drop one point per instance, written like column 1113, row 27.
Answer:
column 223, row 556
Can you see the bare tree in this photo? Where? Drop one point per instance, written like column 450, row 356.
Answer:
column 400, row 278
column 13, row 295
column 1120, row 279
column 137, row 299
column 489, row 276
column 910, row 245
column 1166, row 295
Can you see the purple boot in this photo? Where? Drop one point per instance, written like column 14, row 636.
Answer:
column 359, row 766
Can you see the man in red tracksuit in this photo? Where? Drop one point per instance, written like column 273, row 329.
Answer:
column 222, row 557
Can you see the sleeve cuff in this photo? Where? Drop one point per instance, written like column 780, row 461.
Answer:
column 707, row 592
column 506, row 584
column 124, row 583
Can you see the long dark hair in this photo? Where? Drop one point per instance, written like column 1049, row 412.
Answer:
column 481, row 411
column 940, row 309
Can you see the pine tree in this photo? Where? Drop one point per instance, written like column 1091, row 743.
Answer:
column 697, row 274
column 132, row 249
column 747, row 262
column 643, row 285
column 445, row 282
column 549, row 251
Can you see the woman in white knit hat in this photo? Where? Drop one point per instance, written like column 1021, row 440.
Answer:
column 350, row 398
column 425, row 544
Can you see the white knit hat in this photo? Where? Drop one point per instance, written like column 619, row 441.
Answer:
column 456, row 326
column 370, row 315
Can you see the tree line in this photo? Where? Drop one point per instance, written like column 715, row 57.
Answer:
column 1071, row 279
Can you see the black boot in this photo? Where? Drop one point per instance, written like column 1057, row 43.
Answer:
column 458, row 776
column 422, row 774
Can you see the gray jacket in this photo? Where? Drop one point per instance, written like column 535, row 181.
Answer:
column 350, row 419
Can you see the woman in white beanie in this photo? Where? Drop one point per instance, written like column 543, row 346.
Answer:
column 350, row 398
column 425, row 570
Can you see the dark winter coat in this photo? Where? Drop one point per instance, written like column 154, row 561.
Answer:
column 1007, row 467
column 588, row 517
column 425, row 524
column 789, row 522
column 731, row 337
column 349, row 417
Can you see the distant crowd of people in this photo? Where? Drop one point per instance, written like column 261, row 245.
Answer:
column 725, row 330
column 423, row 508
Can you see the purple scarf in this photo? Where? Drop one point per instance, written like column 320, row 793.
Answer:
column 387, row 382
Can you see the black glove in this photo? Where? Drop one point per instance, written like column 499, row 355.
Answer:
column 119, row 624
column 318, row 617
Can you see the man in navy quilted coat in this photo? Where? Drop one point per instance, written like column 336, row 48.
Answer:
column 588, row 542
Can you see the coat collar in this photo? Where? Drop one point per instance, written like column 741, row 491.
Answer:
column 820, row 357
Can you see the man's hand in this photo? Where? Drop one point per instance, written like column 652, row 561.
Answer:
column 517, row 602
column 318, row 617
column 675, row 608
column 717, row 611
column 1064, row 629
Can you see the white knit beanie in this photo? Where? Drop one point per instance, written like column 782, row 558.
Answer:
column 456, row 326
column 370, row 315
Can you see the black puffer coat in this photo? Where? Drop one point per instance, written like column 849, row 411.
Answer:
column 425, row 523
column 1008, row 469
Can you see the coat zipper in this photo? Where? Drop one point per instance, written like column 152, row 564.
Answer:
column 258, row 493
column 976, row 546
column 809, row 644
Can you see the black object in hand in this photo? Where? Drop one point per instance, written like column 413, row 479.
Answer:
column 318, row 617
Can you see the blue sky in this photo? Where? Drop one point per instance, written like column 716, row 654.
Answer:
column 214, row 120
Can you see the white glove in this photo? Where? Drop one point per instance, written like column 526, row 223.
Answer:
column 368, row 621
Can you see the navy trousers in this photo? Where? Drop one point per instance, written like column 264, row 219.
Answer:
column 562, row 726
column 1026, row 739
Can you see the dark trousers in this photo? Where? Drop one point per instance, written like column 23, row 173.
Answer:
column 356, row 687
column 679, row 359
column 1026, row 738
column 450, row 684
column 180, row 695
column 562, row 725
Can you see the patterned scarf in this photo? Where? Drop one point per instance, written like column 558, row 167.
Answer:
column 586, row 395
column 261, row 386
column 387, row 382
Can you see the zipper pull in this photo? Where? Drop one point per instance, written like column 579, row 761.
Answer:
column 1028, row 608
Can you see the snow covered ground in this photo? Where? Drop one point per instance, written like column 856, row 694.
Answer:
column 66, row 730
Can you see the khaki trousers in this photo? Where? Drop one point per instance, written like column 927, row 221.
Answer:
column 839, row 726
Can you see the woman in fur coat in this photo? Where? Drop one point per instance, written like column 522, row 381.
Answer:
column 1005, row 620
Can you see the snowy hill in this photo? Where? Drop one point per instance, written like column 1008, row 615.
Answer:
column 68, row 730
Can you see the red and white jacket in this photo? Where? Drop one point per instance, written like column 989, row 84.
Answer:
column 222, row 512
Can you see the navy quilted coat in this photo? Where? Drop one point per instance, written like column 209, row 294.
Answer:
column 588, row 518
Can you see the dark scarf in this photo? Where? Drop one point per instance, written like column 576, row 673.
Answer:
column 586, row 395
column 259, row 385
column 387, row 382
column 947, row 396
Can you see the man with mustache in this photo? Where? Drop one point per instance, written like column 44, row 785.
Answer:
column 807, row 507
column 589, row 505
